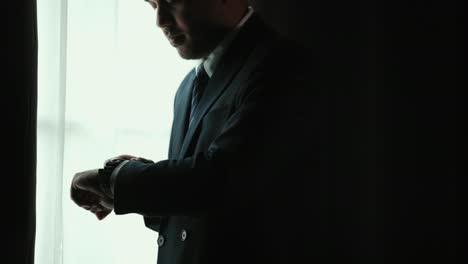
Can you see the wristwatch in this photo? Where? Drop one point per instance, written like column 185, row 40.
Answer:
column 104, row 176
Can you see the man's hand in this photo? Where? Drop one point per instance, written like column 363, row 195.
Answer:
column 86, row 193
column 129, row 157
column 121, row 157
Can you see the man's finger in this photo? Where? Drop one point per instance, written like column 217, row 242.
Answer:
column 102, row 214
column 87, row 181
column 122, row 157
column 83, row 198
column 143, row 160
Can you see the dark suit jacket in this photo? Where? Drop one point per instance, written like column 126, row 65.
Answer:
column 234, row 182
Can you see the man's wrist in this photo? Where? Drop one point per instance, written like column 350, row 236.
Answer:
column 113, row 177
column 104, row 176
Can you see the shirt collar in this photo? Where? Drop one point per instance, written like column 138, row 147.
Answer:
column 213, row 59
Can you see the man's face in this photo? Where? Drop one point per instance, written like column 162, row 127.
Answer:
column 192, row 26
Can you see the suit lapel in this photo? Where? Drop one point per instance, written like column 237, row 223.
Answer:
column 181, row 116
column 225, row 72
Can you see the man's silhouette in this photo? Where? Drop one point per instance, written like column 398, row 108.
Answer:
column 232, row 189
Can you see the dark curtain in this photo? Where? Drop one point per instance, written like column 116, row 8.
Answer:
column 393, row 131
column 19, row 108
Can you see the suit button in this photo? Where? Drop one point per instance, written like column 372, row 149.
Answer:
column 183, row 235
column 161, row 240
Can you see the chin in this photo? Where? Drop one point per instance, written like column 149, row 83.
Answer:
column 189, row 52
column 184, row 54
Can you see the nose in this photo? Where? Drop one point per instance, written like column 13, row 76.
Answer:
column 163, row 17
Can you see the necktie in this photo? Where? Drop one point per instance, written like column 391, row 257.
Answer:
column 199, row 84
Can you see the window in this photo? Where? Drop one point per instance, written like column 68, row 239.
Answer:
column 107, row 79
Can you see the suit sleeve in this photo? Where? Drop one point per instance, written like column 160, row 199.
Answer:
column 225, row 172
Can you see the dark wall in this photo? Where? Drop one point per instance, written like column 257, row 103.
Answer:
column 394, row 129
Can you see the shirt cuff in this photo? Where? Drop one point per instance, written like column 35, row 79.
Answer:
column 113, row 177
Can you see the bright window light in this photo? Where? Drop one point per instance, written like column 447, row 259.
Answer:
column 107, row 79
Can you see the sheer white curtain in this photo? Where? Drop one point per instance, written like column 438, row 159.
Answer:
column 107, row 78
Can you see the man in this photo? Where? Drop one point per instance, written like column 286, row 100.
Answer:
column 234, row 178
